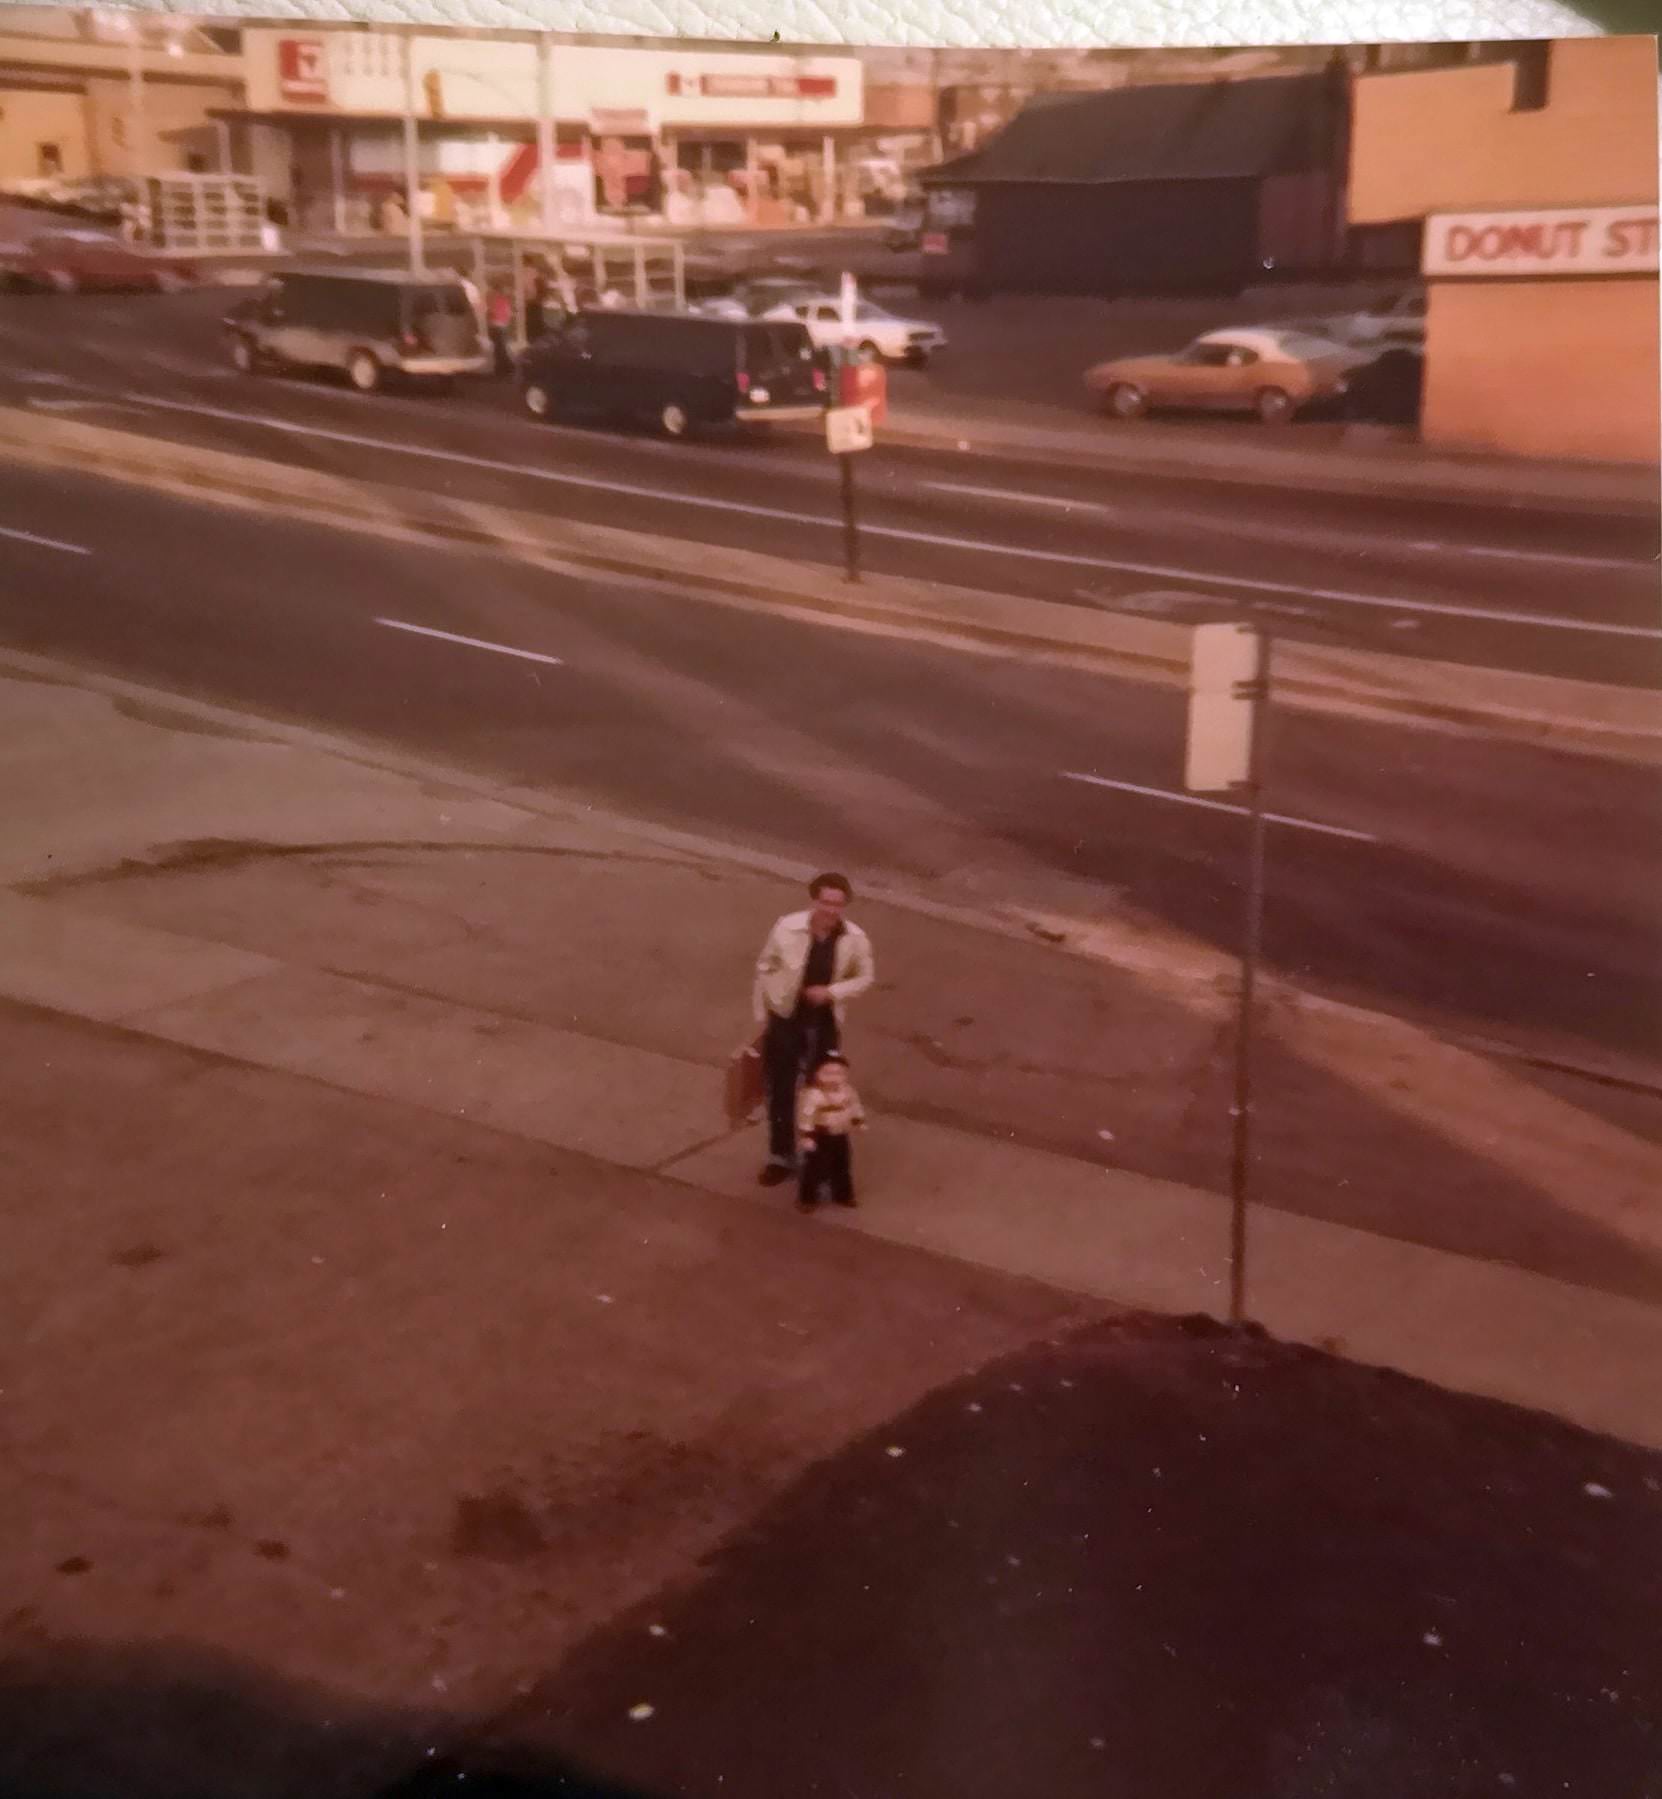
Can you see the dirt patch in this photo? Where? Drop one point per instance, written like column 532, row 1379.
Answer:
column 1163, row 1561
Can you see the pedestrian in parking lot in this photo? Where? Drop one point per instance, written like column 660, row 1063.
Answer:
column 536, row 305
column 828, row 1112
column 812, row 964
column 499, row 319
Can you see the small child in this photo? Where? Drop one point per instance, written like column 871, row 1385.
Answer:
column 827, row 1110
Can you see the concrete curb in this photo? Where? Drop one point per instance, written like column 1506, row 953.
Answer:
column 1612, row 721
column 1442, row 481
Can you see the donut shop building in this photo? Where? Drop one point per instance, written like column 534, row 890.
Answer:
column 1526, row 194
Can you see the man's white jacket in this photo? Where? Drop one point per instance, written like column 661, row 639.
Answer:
column 785, row 955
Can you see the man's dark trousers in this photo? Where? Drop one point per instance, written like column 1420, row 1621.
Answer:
column 789, row 1047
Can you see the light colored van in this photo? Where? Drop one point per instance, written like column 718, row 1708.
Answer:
column 367, row 323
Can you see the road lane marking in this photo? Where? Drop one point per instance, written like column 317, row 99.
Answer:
column 896, row 533
column 1294, row 534
column 46, row 543
column 1024, row 499
column 1478, row 549
column 472, row 643
column 1191, row 799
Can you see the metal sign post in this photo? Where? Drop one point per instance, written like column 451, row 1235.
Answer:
column 844, row 438
column 851, row 526
column 1229, row 696
column 847, row 432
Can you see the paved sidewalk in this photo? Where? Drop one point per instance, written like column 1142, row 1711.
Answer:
column 204, row 784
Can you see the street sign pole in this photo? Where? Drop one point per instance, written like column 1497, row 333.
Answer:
column 851, row 526
column 1251, row 948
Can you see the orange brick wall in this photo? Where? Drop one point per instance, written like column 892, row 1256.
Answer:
column 1545, row 368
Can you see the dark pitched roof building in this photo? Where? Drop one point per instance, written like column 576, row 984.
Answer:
column 1147, row 188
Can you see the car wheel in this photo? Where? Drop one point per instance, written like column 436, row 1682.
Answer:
column 1274, row 405
column 169, row 281
column 244, row 357
column 63, row 282
column 363, row 371
column 539, row 402
column 674, row 420
column 917, row 359
column 1126, row 401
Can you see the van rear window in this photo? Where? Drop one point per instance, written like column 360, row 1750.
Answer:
column 439, row 302
column 777, row 346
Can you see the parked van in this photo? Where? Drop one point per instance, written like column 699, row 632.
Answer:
column 677, row 371
column 368, row 323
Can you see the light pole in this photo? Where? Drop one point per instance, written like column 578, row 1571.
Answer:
column 412, row 151
column 135, row 100
column 546, row 149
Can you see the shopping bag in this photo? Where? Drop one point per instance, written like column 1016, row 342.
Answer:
column 745, row 1085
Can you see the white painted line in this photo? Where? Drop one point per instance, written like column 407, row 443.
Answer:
column 472, row 643
column 1302, row 535
column 897, row 533
column 1024, row 499
column 1478, row 549
column 46, row 543
column 1191, row 799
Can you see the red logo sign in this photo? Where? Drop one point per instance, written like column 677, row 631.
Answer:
column 756, row 87
column 302, row 68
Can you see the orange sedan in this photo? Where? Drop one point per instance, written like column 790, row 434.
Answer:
column 1275, row 374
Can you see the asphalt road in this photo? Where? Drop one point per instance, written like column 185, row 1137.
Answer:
column 1496, row 586
column 1505, row 885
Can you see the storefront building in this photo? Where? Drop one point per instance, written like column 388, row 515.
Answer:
column 95, row 96
column 1529, row 189
column 683, row 136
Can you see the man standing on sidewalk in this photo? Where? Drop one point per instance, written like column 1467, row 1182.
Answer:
column 812, row 963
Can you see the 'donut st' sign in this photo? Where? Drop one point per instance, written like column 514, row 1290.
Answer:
column 1563, row 241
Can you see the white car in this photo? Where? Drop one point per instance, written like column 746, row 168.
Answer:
column 1388, row 324
column 880, row 335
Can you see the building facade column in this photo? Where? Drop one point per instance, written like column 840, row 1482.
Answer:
column 752, row 182
column 828, row 164
column 337, row 178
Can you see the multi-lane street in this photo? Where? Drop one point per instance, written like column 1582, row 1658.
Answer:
column 1555, row 592
column 1509, row 887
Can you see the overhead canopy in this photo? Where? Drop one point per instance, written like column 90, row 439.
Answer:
column 1202, row 131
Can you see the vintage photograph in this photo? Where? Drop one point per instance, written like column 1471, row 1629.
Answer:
column 830, row 917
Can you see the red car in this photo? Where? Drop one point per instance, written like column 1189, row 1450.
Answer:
column 72, row 262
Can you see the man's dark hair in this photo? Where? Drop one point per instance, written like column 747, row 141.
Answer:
column 820, row 882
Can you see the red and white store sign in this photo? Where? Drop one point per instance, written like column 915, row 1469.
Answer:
column 302, row 68
column 755, row 87
column 1596, row 240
